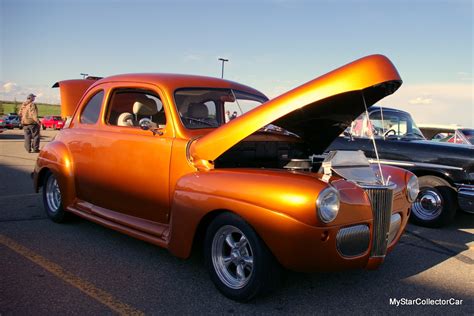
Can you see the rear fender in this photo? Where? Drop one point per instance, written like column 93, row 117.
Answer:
column 56, row 158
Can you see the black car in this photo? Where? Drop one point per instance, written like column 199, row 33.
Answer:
column 445, row 171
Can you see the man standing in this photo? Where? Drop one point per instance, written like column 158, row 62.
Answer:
column 31, row 124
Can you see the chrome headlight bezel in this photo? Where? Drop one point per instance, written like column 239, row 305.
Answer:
column 413, row 188
column 328, row 204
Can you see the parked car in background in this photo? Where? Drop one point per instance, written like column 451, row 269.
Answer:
column 52, row 121
column 13, row 121
column 2, row 121
column 445, row 171
column 448, row 133
column 152, row 155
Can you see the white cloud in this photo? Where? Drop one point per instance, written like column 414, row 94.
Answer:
column 439, row 103
column 44, row 94
column 9, row 86
column 420, row 100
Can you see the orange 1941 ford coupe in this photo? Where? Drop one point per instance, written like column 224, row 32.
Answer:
column 180, row 160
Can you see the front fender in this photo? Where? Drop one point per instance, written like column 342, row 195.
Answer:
column 275, row 203
column 295, row 245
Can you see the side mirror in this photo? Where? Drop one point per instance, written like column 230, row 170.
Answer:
column 148, row 125
column 145, row 124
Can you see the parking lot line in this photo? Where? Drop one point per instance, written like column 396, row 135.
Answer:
column 88, row 288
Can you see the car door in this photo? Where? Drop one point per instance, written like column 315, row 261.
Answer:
column 133, row 163
column 80, row 142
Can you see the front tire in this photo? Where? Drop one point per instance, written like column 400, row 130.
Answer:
column 52, row 199
column 239, row 263
column 435, row 205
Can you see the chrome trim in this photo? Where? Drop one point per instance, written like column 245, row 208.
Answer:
column 466, row 197
column 353, row 241
column 189, row 158
column 414, row 164
column 381, row 200
column 465, row 187
column 395, row 224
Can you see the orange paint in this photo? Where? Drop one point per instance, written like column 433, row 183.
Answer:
column 160, row 187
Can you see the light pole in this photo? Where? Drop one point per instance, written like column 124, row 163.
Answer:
column 223, row 61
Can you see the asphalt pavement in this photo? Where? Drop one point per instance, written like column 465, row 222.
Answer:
column 82, row 268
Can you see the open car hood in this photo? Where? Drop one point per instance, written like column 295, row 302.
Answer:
column 318, row 111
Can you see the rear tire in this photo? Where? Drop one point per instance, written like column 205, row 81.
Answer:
column 52, row 201
column 436, row 204
column 239, row 263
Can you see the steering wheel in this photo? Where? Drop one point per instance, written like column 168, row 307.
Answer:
column 387, row 133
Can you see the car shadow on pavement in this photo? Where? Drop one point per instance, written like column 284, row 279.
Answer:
column 462, row 220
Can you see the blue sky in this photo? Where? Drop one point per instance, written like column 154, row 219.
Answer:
column 272, row 45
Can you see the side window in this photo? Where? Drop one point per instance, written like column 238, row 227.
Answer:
column 91, row 111
column 131, row 107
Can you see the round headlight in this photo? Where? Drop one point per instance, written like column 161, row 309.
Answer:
column 327, row 205
column 412, row 189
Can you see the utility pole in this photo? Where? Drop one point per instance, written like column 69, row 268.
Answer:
column 223, row 61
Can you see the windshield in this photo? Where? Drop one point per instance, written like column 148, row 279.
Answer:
column 209, row 108
column 469, row 133
column 385, row 124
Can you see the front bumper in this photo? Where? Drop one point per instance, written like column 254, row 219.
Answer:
column 466, row 197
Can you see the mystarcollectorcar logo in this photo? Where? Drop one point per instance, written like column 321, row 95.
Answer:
column 424, row 301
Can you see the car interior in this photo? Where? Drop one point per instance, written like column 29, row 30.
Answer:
column 127, row 108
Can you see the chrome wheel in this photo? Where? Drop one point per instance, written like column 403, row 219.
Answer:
column 232, row 257
column 53, row 195
column 428, row 205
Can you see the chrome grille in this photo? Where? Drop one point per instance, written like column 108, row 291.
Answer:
column 353, row 240
column 381, row 200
